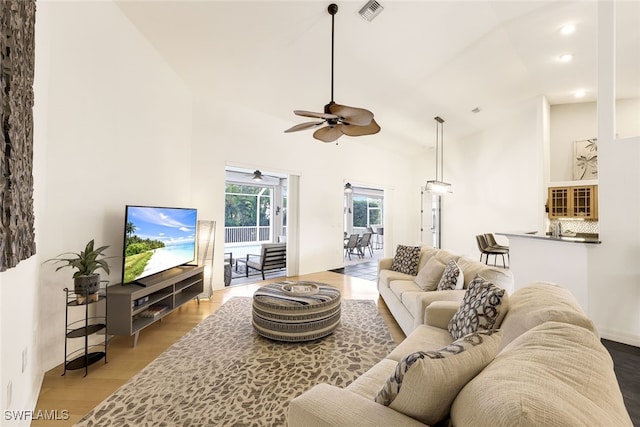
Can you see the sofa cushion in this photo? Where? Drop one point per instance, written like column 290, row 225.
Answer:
column 422, row 338
column 556, row 374
column 412, row 300
column 368, row 384
column 429, row 276
column 406, row 259
column 445, row 256
column 388, row 276
column 426, row 253
column 482, row 307
column 498, row 276
column 399, row 287
column 425, row 383
column 538, row 303
column 440, row 313
column 452, row 277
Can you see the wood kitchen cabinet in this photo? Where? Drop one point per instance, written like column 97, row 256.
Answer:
column 573, row 202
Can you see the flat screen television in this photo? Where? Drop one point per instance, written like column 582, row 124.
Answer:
column 157, row 239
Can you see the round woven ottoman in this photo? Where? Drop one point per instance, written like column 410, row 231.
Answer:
column 296, row 311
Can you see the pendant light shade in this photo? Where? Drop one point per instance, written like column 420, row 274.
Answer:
column 435, row 186
column 257, row 176
column 438, row 185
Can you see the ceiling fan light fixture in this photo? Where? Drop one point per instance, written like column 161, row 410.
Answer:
column 370, row 10
column 348, row 188
column 257, row 176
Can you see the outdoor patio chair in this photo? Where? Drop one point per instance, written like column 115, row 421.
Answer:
column 363, row 243
column 273, row 256
column 351, row 245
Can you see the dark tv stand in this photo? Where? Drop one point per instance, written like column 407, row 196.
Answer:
column 164, row 291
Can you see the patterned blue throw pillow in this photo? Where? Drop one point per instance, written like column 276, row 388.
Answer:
column 406, row 259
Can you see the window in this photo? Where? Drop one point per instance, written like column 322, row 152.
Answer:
column 363, row 209
column 367, row 211
column 247, row 213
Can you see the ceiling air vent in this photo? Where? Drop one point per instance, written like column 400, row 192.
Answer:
column 370, row 10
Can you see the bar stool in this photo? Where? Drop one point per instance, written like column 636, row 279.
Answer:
column 485, row 249
column 491, row 242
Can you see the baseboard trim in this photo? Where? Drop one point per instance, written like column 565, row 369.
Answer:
column 620, row 337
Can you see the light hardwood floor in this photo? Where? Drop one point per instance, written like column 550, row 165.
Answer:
column 78, row 395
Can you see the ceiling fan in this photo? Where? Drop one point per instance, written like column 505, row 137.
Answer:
column 339, row 119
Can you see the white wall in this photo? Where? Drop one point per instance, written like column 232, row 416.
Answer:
column 578, row 121
column 496, row 175
column 614, row 271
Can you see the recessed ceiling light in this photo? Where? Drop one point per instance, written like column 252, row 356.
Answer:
column 566, row 57
column 567, row 29
column 580, row 93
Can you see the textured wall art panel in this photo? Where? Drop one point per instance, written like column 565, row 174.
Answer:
column 17, row 46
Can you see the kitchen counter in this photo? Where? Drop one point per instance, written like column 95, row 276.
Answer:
column 578, row 238
column 537, row 257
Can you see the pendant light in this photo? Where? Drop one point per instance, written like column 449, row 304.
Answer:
column 257, row 176
column 438, row 185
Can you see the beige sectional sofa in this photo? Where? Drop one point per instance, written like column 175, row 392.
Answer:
column 544, row 366
column 407, row 300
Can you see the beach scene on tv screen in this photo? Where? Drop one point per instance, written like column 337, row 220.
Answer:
column 157, row 239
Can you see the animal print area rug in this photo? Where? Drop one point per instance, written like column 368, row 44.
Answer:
column 221, row 373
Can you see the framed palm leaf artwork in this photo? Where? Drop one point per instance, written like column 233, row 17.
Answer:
column 585, row 159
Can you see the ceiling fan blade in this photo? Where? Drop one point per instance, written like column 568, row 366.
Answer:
column 312, row 114
column 302, row 126
column 353, row 130
column 328, row 133
column 352, row 115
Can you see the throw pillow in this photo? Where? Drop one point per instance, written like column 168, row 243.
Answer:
column 452, row 277
column 480, row 308
column 406, row 259
column 425, row 383
column 429, row 276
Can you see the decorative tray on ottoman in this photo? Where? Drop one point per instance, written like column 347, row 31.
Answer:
column 300, row 289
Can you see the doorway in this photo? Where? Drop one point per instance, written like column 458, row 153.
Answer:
column 363, row 215
column 256, row 213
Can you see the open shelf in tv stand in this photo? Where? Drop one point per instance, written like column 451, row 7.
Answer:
column 170, row 289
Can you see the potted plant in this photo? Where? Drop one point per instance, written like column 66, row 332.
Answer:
column 86, row 263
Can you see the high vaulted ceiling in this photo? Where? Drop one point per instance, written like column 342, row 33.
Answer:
column 415, row 61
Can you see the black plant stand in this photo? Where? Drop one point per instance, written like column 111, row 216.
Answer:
column 92, row 327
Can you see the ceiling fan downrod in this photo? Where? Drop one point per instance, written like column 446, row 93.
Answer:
column 339, row 119
column 332, row 9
